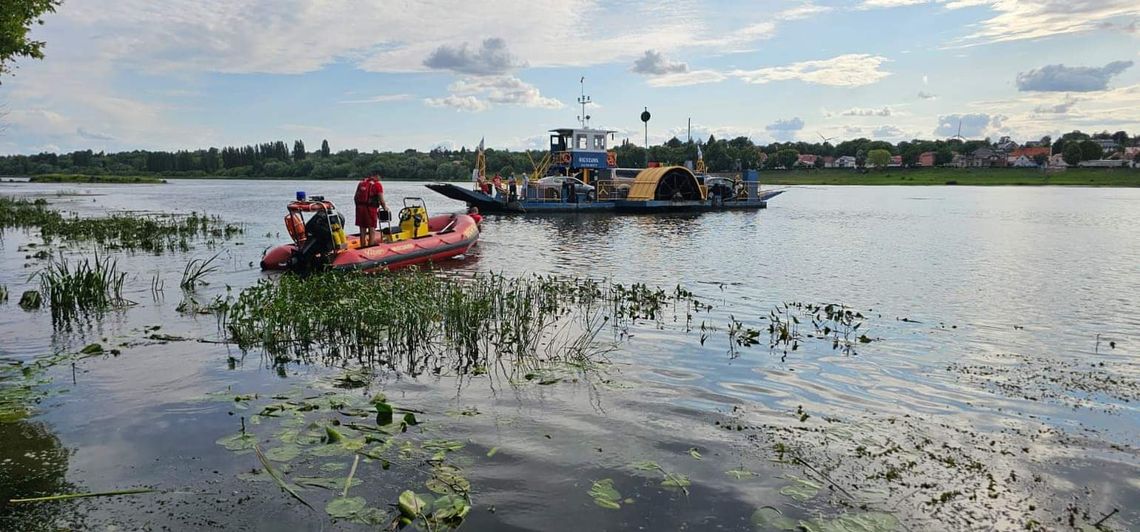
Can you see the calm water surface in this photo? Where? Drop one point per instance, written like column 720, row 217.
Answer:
column 992, row 311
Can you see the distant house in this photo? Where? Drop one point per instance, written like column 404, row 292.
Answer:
column 807, row 159
column 896, row 161
column 1130, row 155
column 828, row 161
column 926, row 158
column 1108, row 145
column 1057, row 161
column 1030, row 153
column 1023, row 162
column 845, row 161
column 981, row 158
column 1006, row 145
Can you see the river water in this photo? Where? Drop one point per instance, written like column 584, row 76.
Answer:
column 1004, row 335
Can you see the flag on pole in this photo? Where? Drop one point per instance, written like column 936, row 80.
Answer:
column 700, row 155
column 481, row 144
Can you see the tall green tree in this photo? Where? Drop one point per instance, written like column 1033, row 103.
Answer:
column 298, row 150
column 879, row 158
column 1091, row 151
column 325, row 148
column 16, row 20
column 1072, row 153
column 787, row 158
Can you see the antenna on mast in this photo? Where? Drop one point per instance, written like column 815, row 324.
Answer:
column 583, row 99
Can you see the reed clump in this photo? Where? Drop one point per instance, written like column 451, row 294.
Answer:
column 75, row 289
column 417, row 322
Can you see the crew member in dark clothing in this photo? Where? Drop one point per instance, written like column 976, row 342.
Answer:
column 512, row 191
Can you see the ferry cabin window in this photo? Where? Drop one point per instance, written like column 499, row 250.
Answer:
column 557, row 143
column 600, row 142
column 582, row 142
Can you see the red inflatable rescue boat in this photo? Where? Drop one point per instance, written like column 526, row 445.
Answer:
column 320, row 243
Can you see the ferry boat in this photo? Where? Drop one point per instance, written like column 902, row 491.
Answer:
column 579, row 173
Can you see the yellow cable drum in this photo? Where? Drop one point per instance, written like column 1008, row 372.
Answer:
column 666, row 183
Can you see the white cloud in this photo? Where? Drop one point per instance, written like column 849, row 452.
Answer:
column 970, row 125
column 1034, row 19
column 491, row 58
column 785, row 129
column 653, row 63
column 477, row 93
column 805, row 10
column 859, row 111
column 1060, row 78
column 379, row 98
column 461, row 103
column 848, row 70
column 927, row 96
column 694, row 77
column 887, row 132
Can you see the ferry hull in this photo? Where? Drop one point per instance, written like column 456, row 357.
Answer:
column 490, row 205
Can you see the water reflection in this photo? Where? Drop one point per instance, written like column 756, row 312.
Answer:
column 33, row 463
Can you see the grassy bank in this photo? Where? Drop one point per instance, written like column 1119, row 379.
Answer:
column 100, row 179
column 1086, row 177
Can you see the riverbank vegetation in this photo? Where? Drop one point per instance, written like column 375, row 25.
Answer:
column 98, row 179
column 1088, row 177
column 276, row 160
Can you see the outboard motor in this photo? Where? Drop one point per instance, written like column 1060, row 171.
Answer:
column 323, row 235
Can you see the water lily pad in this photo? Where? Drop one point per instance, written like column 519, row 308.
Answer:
column 411, row 504
column 673, row 480
column 739, row 473
column 242, row 441
column 345, row 507
column 605, row 495
column 450, row 509
column 284, row 453
column 800, row 489
column 448, row 479
column 647, row 465
column 333, row 467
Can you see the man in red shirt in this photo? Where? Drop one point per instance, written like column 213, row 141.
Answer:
column 369, row 199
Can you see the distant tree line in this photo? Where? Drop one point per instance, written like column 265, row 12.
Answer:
column 276, row 159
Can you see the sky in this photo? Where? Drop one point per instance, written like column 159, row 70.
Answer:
column 398, row 74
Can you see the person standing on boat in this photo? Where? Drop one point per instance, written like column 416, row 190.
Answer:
column 369, row 199
column 512, row 191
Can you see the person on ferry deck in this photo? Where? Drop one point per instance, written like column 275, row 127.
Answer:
column 512, row 191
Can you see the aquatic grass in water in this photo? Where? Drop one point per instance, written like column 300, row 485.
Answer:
column 151, row 233
column 87, row 286
column 195, row 272
column 419, row 322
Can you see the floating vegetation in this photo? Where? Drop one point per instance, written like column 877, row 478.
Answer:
column 308, row 437
column 1074, row 382
column 3, row 293
column 605, row 495
column 669, row 480
column 87, row 286
column 153, row 233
